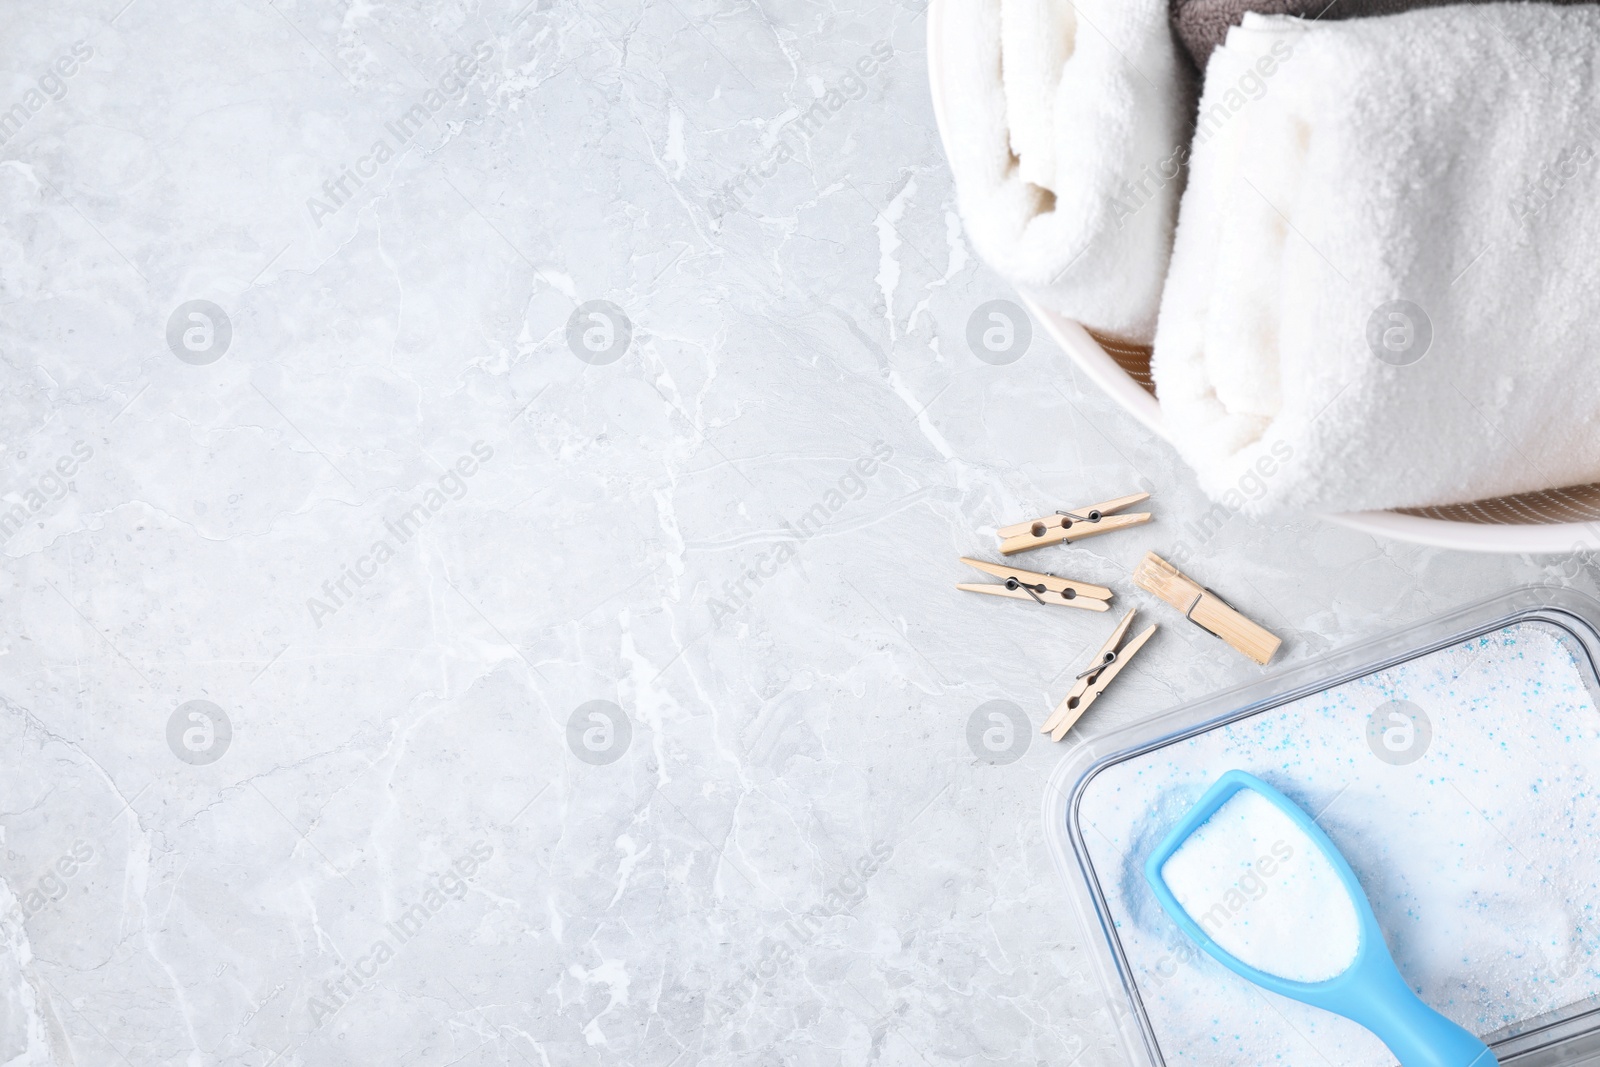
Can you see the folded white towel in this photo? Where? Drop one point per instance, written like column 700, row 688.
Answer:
column 1445, row 158
column 1067, row 127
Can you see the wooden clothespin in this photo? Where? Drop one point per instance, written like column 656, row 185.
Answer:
column 1108, row 663
column 1043, row 588
column 1200, row 605
column 1071, row 525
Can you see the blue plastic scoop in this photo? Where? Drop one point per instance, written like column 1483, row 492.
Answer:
column 1369, row 990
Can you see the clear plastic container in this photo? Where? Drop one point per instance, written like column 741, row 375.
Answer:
column 1491, row 902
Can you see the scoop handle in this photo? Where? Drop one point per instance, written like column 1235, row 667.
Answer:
column 1416, row 1034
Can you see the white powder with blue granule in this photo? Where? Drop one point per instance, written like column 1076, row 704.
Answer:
column 1264, row 892
column 1473, row 831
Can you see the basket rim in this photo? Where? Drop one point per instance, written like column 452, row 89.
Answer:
column 1524, row 538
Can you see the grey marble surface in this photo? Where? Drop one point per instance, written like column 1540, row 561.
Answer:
column 322, row 542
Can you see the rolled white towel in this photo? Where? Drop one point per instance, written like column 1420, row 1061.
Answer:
column 1354, row 188
column 1067, row 127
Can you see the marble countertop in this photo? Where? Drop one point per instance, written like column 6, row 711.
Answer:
column 482, row 494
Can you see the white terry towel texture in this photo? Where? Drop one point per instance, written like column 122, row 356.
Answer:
column 1445, row 157
column 1067, row 125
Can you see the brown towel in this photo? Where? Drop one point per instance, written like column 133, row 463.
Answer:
column 1203, row 24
